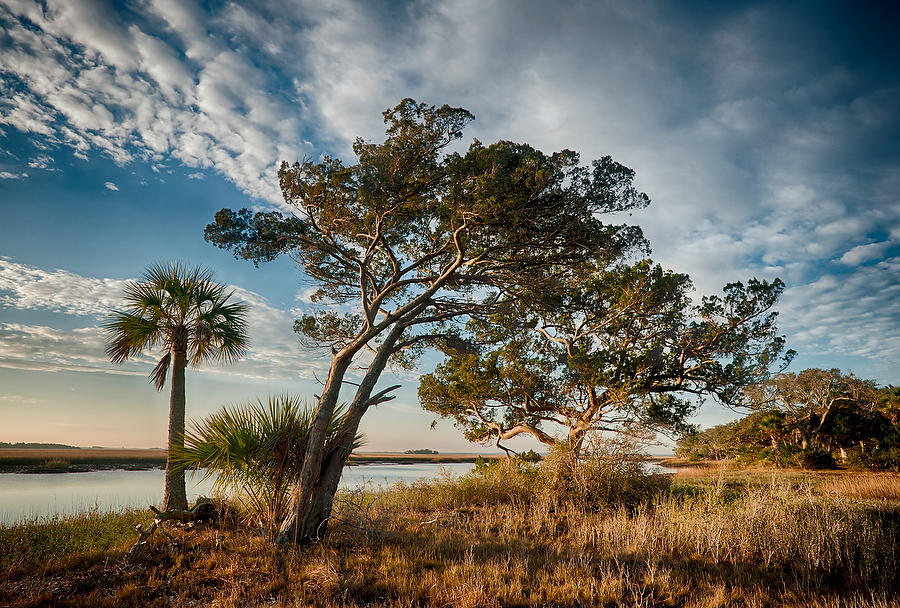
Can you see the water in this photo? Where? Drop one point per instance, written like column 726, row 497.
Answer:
column 38, row 496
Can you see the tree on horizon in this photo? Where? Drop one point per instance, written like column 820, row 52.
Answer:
column 190, row 316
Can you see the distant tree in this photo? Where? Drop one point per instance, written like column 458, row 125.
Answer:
column 614, row 351
column 888, row 403
column 808, row 399
column 408, row 239
column 755, row 437
column 192, row 319
column 815, row 418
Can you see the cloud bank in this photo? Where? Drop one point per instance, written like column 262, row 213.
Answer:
column 765, row 134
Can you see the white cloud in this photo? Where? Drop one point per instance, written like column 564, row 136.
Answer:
column 274, row 353
column 42, row 348
column 92, row 82
column 19, row 399
column 8, row 175
column 855, row 314
column 864, row 253
column 30, row 288
column 42, row 161
column 111, row 186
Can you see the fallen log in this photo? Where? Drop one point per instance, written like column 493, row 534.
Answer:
column 203, row 511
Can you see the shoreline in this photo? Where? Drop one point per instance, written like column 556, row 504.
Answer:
column 82, row 460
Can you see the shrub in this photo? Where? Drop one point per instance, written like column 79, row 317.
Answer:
column 256, row 451
column 816, row 458
column 608, row 475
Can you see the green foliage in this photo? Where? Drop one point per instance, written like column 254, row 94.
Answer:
column 816, row 458
column 615, row 348
column 256, row 451
column 817, row 419
column 176, row 308
column 530, row 457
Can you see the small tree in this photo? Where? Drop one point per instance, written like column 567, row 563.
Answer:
column 408, row 239
column 615, row 351
column 192, row 319
column 256, row 451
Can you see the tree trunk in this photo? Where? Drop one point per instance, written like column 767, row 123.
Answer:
column 311, row 506
column 176, row 497
column 296, row 527
column 322, row 499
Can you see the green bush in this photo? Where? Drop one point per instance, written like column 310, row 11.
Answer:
column 815, row 458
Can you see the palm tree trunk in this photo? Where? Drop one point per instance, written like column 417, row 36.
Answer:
column 176, row 497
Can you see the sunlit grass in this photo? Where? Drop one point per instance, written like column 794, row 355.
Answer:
column 506, row 538
column 49, row 543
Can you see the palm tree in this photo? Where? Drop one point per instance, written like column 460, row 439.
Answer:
column 187, row 314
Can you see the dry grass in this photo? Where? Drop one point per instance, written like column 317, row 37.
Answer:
column 866, row 486
column 503, row 539
column 13, row 458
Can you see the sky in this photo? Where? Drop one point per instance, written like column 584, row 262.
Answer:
column 766, row 134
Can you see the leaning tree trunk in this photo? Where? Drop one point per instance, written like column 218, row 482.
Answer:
column 312, row 503
column 298, row 526
column 176, row 497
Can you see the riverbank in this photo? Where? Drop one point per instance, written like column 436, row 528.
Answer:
column 499, row 538
column 78, row 460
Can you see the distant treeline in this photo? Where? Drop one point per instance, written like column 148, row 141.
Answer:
column 424, row 451
column 57, row 446
column 814, row 419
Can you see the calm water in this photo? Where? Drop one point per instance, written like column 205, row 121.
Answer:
column 26, row 497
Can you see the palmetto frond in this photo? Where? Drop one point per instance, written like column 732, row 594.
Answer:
column 158, row 375
column 179, row 309
column 216, row 334
column 255, row 449
column 130, row 334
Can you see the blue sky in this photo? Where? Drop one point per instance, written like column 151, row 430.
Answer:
column 766, row 135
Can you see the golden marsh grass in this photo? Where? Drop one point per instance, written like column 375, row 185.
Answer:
column 504, row 539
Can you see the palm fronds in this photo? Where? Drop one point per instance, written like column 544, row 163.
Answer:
column 178, row 308
column 256, row 451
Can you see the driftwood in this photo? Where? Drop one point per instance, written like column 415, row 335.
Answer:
column 203, row 511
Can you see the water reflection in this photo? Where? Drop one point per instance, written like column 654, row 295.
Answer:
column 30, row 497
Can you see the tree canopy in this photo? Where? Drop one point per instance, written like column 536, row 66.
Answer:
column 809, row 399
column 616, row 349
column 814, row 418
column 409, row 238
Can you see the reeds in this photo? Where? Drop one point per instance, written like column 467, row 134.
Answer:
column 510, row 538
